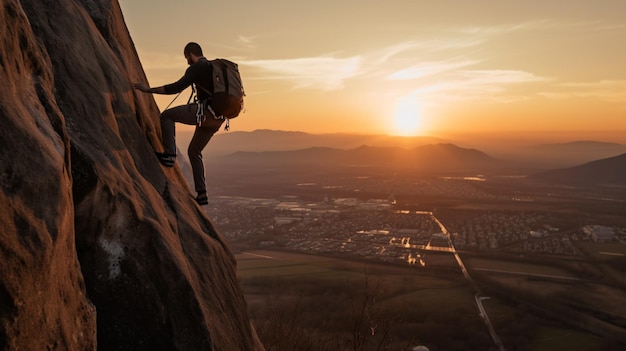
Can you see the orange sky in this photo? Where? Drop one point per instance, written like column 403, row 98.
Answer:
column 402, row 66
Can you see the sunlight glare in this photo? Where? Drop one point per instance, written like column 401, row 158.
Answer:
column 407, row 120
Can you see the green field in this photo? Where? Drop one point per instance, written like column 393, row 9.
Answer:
column 348, row 303
column 550, row 338
column 309, row 302
column 516, row 267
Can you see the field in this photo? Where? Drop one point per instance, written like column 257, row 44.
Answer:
column 604, row 250
column 309, row 302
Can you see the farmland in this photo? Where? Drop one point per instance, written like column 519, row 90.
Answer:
column 327, row 303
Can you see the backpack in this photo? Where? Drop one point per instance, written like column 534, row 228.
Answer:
column 226, row 89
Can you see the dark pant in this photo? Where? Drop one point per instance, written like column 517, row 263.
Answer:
column 187, row 114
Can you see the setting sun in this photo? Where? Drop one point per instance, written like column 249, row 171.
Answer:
column 407, row 118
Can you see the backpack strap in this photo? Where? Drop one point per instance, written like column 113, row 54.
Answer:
column 200, row 117
column 225, row 75
column 202, row 106
column 211, row 85
column 204, row 89
column 193, row 92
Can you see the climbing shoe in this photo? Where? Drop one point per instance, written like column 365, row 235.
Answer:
column 202, row 199
column 166, row 160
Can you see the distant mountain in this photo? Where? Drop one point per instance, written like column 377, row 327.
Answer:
column 608, row 171
column 431, row 157
column 275, row 140
column 581, row 145
column 573, row 153
column 583, row 148
column 533, row 157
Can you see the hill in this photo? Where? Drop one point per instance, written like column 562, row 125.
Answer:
column 430, row 158
column 276, row 140
column 524, row 154
column 608, row 171
column 568, row 154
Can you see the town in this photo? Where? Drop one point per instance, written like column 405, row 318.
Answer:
column 380, row 229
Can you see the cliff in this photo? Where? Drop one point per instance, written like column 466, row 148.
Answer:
column 100, row 247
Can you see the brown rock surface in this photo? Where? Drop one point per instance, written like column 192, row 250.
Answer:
column 96, row 237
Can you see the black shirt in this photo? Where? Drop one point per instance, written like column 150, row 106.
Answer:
column 198, row 73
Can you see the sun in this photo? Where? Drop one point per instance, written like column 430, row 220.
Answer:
column 407, row 118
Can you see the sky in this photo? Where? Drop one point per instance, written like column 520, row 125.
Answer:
column 403, row 67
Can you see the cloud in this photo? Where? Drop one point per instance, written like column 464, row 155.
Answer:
column 548, row 25
column 247, row 41
column 584, row 26
column 428, row 69
column 488, row 77
column 323, row 72
column 488, row 31
column 466, row 85
column 328, row 72
column 607, row 90
column 495, row 86
column 423, row 46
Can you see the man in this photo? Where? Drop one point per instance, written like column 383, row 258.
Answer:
column 197, row 73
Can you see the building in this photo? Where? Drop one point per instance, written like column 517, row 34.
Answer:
column 599, row 233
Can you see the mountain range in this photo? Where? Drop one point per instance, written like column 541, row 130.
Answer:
column 608, row 171
column 563, row 155
column 527, row 154
column 276, row 140
column 426, row 158
column 530, row 157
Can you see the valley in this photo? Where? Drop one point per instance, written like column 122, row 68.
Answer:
column 529, row 246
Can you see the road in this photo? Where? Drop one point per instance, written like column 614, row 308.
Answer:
column 479, row 299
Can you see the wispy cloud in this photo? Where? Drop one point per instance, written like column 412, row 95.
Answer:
column 585, row 26
column 323, row 72
column 489, row 77
column 430, row 66
column 607, row 90
column 428, row 69
column 423, row 46
column 466, row 85
column 497, row 86
column 488, row 31
column 329, row 72
column 548, row 24
column 247, row 41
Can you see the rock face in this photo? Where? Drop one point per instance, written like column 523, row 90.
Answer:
column 100, row 247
